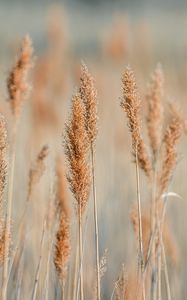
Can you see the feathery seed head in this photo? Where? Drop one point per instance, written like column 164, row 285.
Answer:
column 17, row 80
column 76, row 149
column 171, row 138
column 62, row 247
column 88, row 95
column 38, row 169
column 155, row 110
column 3, row 158
column 130, row 103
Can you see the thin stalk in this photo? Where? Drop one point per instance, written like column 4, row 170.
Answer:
column 50, row 245
column 95, row 223
column 83, row 251
column 75, row 272
column 153, row 224
column 80, row 278
column 9, row 213
column 159, row 261
column 168, row 290
column 20, row 275
column 140, row 235
column 39, row 263
column 21, row 233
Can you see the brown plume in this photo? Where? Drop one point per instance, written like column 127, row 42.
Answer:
column 155, row 110
column 88, row 95
column 77, row 147
column 17, row 80
column 131, row 105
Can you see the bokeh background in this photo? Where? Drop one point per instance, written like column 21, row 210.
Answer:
column 107, row 36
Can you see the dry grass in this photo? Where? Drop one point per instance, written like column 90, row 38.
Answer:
column 50, row 247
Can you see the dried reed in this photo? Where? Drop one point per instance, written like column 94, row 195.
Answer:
column 89, row 97
column 76, row 149
column 155, row 111
column 130, row 103
column 62, row 244
column 17, row 89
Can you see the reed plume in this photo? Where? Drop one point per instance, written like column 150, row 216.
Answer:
column 130, row 103
column 3, row 159
column 77, row 149
column 17, row 87
column 88, row 95
column 3, row 183
column 171, row 138
column 61, row 193
column 37, row 170
column 155, row 110
column 17, row 80
column 62, row 245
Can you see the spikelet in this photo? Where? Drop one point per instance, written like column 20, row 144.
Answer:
column 3, row 182
column 88, row 95
column 127, row 287
column 3, row 159
column 120, row 285
column 62, row 247
column 61, row 193
column 38, row 169
column 2, row 241
column 131, row 105
column 146, row 228
column 62, row 244
column 171, row 138
column 155, row 110
column 17, row 80
column 76, row 149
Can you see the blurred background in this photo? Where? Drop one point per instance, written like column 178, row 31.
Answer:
column 107, row 35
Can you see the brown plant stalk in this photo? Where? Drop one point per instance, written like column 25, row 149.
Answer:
column 89, row 97
column 76, row 149
column 17, row 87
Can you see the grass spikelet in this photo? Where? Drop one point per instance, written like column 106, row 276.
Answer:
column 130, row 103
column 61, row 193
column 38, row 169
column 3, row 182
column 62, row 244
column 155, row 110
column 62, row 247
column 17, row 80
column 89, row 97
column 171, row 138
column 88, row 94
column 76, row 149
column 3, row 159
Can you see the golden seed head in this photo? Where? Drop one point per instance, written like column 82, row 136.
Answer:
column 17, row 84
column 88, row 95
column 130, row 103
column 76, row 149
